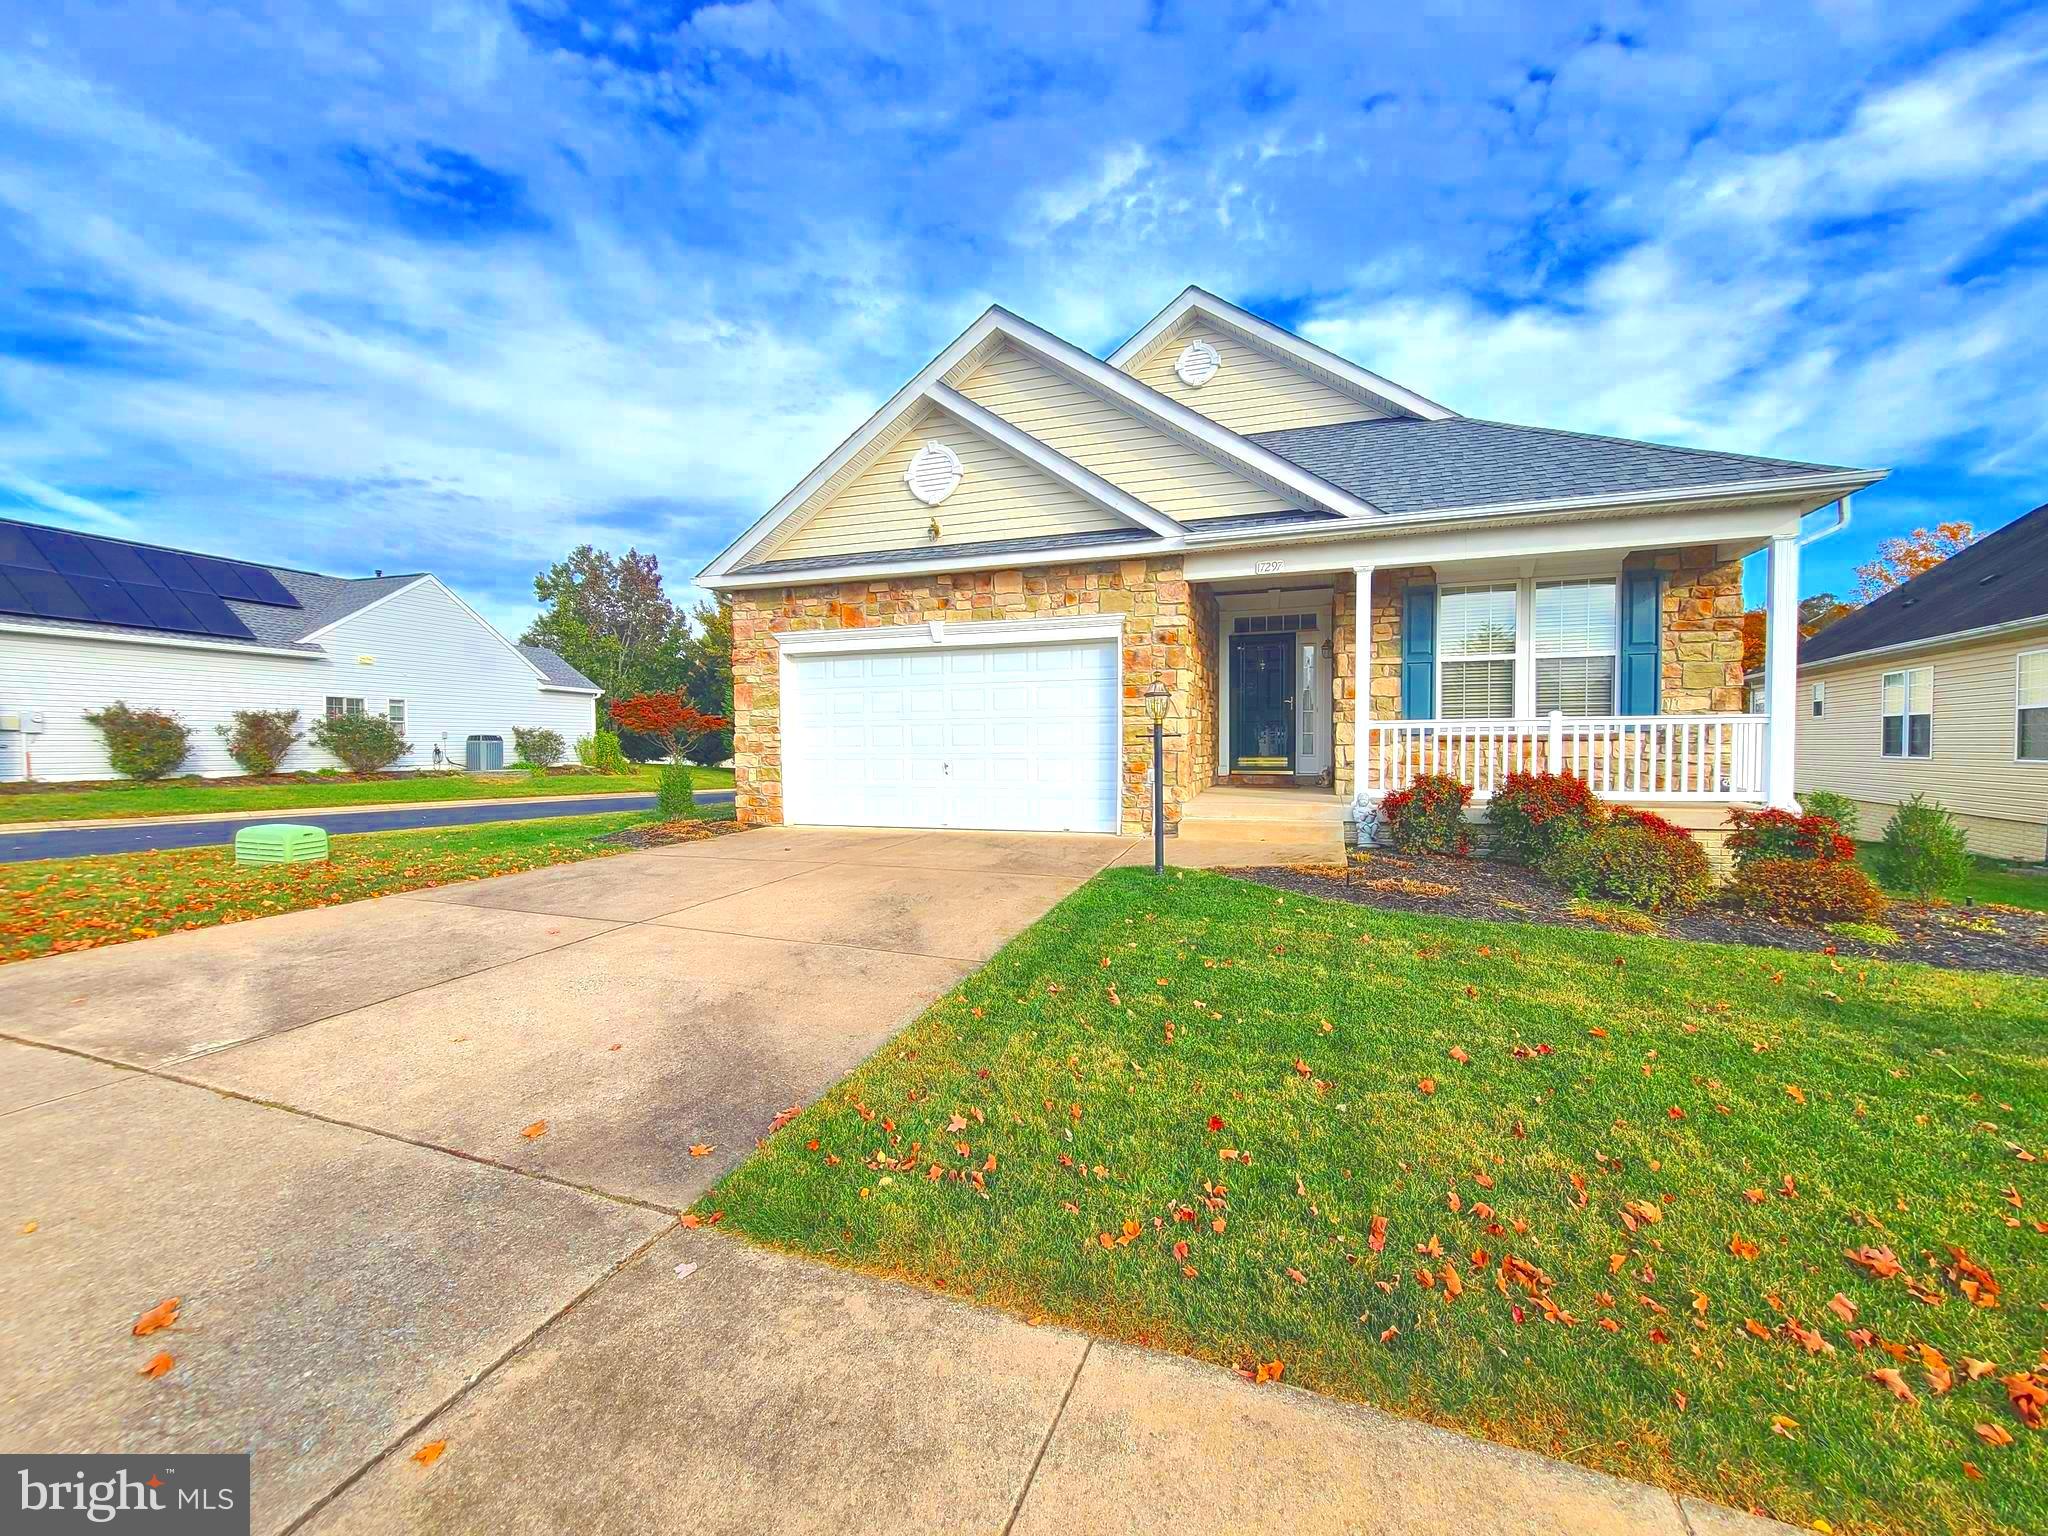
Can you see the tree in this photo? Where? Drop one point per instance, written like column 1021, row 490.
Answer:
column 1817, row 612
column 669, row 718
column 608, row 617
column 1752, row 639
column 1899, row 560
column 707, row 676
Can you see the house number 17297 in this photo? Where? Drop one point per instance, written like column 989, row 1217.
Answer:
column 1265, row 567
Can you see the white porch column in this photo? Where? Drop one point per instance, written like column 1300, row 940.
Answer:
column 1361, row 651
column 1781, row 669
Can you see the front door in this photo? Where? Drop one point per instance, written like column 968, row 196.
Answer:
column 1262, row 703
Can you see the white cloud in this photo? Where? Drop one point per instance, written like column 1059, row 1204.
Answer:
column 1096, row 190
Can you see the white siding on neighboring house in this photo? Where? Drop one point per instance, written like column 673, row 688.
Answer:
column 455, row 674
column 1168, row 475
column 1973, row 767
column 1251, row 391
column 1000, row 496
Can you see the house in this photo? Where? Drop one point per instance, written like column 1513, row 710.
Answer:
column 86, row 620
column 1940, row 687
column 1336, row 583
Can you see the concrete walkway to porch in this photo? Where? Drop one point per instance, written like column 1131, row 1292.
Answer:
column 1226, row 826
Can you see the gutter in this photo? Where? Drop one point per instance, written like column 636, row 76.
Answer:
column 1931, row 642
column 1841, row 521
column 173, row 642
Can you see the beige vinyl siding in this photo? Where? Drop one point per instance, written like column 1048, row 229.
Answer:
column 1974, row 769
column 1252, row 391
column 1000, row 496
column 1168, row 475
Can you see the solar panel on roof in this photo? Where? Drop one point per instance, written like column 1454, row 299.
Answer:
column 164, row 609
column 174, row 570
column 11, row 598
column 49, row 596
column 124, row 563
column 15, row 548
column 109, row 602
column 267, row 588
column 215, row 616
column 68, row 553
column 223, row 578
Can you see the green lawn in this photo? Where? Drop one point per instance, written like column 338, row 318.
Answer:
column 1994, row 880
column 1803, row 1104
column 53, row 905
column 185, row 797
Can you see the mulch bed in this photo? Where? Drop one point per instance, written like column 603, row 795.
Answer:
column 1977, row 938
column 661, row 834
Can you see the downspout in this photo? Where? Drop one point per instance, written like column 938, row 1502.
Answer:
column 1841, row 521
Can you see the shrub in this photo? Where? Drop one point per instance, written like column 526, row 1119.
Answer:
column 669, row 718
column 675, row 795
column 141, row 743
column 367, row 743
column 1429, row 816
column 538, row 747
column 1636, row 858
column 1839, row 809
column 602, row 752
column 1876, row 934
column 1776, row 834
column 1531, row 813
column 1806, row 891
column 259, row 738
column 1923, row 853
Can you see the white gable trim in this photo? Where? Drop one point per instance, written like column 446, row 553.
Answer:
column 152, row 637
column 448, row 592
column 1267, row 337
column 984, row 422
column 857, row 569
column 1247, row 458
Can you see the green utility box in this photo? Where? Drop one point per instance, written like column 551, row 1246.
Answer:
column 280, row 842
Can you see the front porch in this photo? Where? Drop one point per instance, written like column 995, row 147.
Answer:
column 1623, row 667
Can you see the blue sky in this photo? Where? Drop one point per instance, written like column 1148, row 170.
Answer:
column 457, row 285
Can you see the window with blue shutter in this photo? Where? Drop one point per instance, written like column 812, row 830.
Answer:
column 1641, row 671
column 1418, row 653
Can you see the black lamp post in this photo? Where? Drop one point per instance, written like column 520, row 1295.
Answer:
column 1156, row 700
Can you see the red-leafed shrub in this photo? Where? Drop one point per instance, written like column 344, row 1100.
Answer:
column 678, row 725
column 1429, row 816
column 1777, row 834
column 1531, row 814
column 1806, row 891
column 1637, row 858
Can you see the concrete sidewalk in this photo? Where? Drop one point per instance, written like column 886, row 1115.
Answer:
column 309, row 1129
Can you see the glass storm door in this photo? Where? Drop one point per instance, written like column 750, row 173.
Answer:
column 1262, row 704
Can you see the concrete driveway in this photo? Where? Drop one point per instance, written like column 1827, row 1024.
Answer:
column 309, row 1130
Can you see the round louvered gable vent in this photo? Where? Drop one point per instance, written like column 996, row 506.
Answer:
column 1198, row 364
column 934, row 473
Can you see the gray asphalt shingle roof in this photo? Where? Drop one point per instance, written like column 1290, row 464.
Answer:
column 1404, row 466
column 557, row 670
column 2000, row 579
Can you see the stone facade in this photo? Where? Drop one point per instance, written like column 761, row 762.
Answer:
column 1700, row 637
column 1169, row 636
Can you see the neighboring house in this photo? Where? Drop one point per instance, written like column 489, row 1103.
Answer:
column 1941, row 687
column 86, row 620
column 953, row 620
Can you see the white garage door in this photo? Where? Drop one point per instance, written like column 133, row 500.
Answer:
column 1012, row 736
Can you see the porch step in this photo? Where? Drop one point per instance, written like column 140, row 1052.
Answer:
column 1289, row 811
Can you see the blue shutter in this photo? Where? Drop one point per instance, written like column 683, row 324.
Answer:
column 1641, row 673
column 1418, row 653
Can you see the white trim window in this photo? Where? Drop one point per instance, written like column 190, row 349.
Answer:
column 394, row 711
column 1820, row 701
column 1577, row 646
column 2031, row 706
column 1908, row 706
column 338, row 706
column 1475, row 640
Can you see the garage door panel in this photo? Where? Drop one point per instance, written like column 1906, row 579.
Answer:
column 1019, row 736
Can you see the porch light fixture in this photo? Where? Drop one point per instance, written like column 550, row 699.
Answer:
column 1156, row 699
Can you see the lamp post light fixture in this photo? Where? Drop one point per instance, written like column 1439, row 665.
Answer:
column 1156, row 700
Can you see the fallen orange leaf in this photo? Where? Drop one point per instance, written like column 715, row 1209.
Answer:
column 162, row 1315
column 702, row 1149
column 538, row 1128
column 430, row 1453
column 1994, row 1434
column 158, row 1363
column 1890, row 1379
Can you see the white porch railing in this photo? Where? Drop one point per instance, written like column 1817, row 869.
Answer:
column 1621, row 757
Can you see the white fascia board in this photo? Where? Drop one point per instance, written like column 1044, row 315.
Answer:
column 873, row 570
column 176, row 642
column 987, row 424
column 588, row 693
column 1272, row 338
column 941, row 633
column 909, row 396
column 1218, row 441
column 1826, row 487
column 1954, row 637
